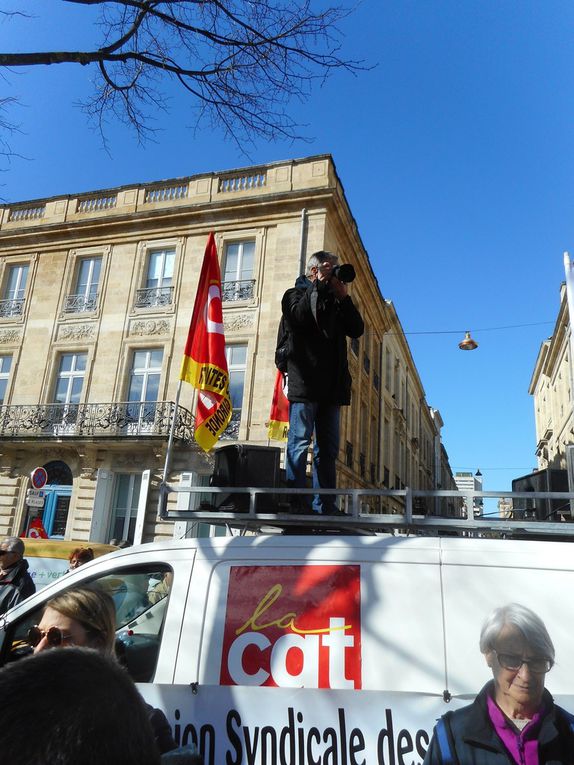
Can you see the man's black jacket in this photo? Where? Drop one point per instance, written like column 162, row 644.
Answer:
column 317, row 367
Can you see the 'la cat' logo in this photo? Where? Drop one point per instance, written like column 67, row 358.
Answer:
column 293, row 626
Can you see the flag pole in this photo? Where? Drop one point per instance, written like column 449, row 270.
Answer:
column 161, row 509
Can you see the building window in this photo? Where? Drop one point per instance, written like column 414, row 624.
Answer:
column 125, row 507
column 143, row 390
column 5, row 366
column 70, row 378
column 349, row 454
column 388, row 368
column 158, row 290
column 13, row 300
column 386, row 477
column 85, row 295
column 236, row 364
column 355, row 345
column 67, row 392
column 238, row 281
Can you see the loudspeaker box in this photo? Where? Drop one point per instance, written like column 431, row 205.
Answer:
column 246, row 465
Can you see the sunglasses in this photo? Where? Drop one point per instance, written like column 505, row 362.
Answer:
column 54, row 635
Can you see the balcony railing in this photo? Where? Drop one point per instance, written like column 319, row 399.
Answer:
column 11, row 307
column 33, row 212
column 231, row 432
column 97, row 203
column 166, row 193
column 245, row 182
column 240, row 290
column 152, row 297
column 150, row 419
column 80, row 303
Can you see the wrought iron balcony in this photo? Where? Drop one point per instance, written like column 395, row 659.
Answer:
column 80, row 303
column 150, row 297
column 231, row 432
column 11, row 307
column 128, row 419
column 241, row 290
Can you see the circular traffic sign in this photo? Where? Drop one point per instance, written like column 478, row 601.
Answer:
column 38, row 477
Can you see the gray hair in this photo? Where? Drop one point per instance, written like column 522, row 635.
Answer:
column 530, row 625
column 14, row 544
column 319, row 257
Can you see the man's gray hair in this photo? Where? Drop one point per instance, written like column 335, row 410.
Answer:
column 319, row 257
column 14, row 544
column 530, row 625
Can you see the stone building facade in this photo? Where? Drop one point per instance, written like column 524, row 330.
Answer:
column 97, row 293
column 551, row 389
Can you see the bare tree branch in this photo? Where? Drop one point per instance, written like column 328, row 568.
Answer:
column 240, row 61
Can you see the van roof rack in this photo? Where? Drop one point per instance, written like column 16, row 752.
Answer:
column 237, row 509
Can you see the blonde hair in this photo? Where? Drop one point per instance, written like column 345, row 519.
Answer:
column 94, row 610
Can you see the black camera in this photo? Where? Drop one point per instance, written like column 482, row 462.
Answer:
column 344, row 273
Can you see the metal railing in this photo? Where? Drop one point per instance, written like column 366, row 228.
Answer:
column 154, row 296
column 80, row 303
column 108, row 420
column 238, row 290
column 13, row 307
column 359, row 515
column 231, row 432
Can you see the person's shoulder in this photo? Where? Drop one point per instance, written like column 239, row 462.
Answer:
column 566, row 717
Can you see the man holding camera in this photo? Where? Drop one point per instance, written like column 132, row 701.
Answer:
column 320, row 315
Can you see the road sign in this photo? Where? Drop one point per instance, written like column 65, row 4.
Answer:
column 35, row 501
column 35, row 493
column 38, row 477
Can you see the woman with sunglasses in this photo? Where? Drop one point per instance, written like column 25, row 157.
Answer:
column 80, row 617
column 87, row 618
column 514, row 718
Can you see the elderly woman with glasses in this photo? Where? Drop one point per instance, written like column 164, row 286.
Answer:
column 514, row 718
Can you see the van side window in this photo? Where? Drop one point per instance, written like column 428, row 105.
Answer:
column 140, row 596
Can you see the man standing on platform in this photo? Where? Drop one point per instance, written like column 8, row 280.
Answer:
column 320, row 315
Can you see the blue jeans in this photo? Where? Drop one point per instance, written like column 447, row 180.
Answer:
column 304, row 421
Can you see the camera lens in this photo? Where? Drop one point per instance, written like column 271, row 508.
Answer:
column 344, row 273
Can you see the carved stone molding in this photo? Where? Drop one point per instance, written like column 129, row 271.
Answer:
column 238, row 321
column 9, row 336
column 76, row 332
column 150, row 327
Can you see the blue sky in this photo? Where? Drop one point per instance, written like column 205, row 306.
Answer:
column 455, row 153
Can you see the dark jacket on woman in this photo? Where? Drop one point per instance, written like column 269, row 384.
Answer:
column 15, row 585
column 319, row 325
column 472, row 739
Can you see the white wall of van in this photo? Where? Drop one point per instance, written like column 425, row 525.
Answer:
column 320, row 649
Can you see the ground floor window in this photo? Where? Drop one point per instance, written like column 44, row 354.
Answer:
column 125, row 506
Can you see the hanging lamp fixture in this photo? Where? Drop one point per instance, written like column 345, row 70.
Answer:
column 468, row 344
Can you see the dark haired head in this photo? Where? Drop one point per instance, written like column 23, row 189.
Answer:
column 83, row 708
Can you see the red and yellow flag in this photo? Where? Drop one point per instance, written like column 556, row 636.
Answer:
column 279, row 417
column 204, row 364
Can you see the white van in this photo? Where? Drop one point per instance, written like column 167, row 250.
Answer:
column 306, row 650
